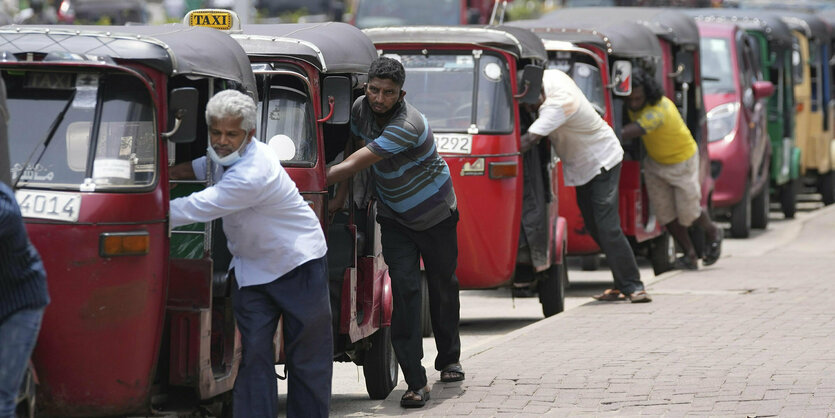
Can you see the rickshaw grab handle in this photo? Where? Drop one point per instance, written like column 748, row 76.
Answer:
column 524, row 92
column 330, row 114
column 178, row 119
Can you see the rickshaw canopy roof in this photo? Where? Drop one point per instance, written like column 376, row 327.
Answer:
column 811, row 26
column 625, row 39
column 768, row 23
column 332, row 47
column 174, row 49
column 519, row 42
column 672, row 25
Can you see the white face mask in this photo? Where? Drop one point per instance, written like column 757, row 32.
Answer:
column 228, row 160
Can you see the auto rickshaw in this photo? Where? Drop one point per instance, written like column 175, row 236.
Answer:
column 594, row 55
column 464, row 80
column 828, row 16
column 679, row 73
column 96, row 114
column 813, row 128
column 774, row 44
column 308, row 76
column 735, row 94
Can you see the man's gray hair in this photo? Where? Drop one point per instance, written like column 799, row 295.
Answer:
column 234, row 104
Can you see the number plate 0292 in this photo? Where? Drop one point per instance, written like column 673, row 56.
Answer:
column 49, row 205
column 454, row 143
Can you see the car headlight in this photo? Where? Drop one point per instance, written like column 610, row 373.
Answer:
column 721, row 121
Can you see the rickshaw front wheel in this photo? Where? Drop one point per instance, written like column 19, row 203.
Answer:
column 380, row 365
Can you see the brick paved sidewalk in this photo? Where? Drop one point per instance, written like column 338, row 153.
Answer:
column 753, row 335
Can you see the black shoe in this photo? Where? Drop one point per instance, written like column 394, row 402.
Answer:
column 714, row 249
column 686, row 263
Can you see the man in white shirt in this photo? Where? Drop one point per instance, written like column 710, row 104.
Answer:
column 591, row 156
column 279, row 262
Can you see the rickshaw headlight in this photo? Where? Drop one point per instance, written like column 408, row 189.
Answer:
column 721, row 121
column 113, row 244
column 502, row 170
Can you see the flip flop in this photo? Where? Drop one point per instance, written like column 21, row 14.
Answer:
column 415, row 398
column 452, row 373
column 610, row 295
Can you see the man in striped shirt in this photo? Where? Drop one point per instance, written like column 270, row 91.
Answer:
column 418, row 219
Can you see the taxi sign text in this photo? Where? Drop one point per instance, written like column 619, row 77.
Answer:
column 214, row 19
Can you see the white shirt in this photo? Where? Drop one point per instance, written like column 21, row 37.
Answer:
column 582, row 139
column 269, row 228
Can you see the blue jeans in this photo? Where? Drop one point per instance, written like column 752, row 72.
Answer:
column 301, row 297
column 18, row 334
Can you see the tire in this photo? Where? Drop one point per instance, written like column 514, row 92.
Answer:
column 380, row 365
column 788, row 198
column 551, row 287
column 741, row 215
column 827, row 187
column 662, row 253
column 760, row 208
column 590, row 262
column 425, row 315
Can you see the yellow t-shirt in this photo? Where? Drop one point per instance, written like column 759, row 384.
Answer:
column 667, row 139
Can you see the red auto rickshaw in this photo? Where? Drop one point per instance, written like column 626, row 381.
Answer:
column 464, row 80
column 308, row 75
column 97, row 114
column 657, row 40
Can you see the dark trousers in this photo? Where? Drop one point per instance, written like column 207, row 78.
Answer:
column 301, row 297
column 403, row 249
column 598, row 202
column 18, row 334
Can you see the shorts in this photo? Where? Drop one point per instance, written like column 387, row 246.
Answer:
column 674, row 191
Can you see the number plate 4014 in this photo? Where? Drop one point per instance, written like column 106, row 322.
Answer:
column 454, row 143
column 49, row 205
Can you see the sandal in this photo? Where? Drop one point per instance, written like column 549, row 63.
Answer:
column 415, row 398
column 610, row 295
column 452, row 373
column 714, row 249
column 640, row 296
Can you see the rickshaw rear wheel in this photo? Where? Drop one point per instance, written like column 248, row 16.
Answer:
column 827, row 187
column 662, row 253
column 380, row 365
column 425, row 315
column 788, row 198
column 760, row 208
column 551, row 288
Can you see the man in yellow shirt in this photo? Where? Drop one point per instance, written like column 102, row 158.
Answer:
column 671, row 169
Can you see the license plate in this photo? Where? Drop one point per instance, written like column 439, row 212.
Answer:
column 49, row 205
column 454, row 143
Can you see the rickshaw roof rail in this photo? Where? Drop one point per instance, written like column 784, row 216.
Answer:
column 519, row 42
column 768, row 23
column 624, row 39
column 332, row 47
column 811, row 26
column 672, row 25
column 174, row 49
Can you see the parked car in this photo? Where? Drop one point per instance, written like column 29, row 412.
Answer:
column 737, row 125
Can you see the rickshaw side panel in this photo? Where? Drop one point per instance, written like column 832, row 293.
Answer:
column 117, row 303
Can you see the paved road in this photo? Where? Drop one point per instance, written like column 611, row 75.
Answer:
column 707, row 345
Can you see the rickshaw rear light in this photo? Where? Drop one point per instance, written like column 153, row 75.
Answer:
column 113, row 244
column 502, row 170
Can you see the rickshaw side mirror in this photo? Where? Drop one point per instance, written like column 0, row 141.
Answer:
column 336, row 100
column 762, row 89
column 684, row 67
column 622, row 78
column 530, row 85
column 182, row 115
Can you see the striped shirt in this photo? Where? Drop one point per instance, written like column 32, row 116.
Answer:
column 412, row 181
column 22, row 275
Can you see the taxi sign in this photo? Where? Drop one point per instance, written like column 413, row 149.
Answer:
column 225, row 20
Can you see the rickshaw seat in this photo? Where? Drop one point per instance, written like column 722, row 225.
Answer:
column 340, row 246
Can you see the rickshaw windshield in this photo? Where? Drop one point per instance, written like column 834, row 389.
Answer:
column 124, row 154
column 717, row 71
column 441, row 87
column 587, row 77
column 286, row 120
column 373, row 13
